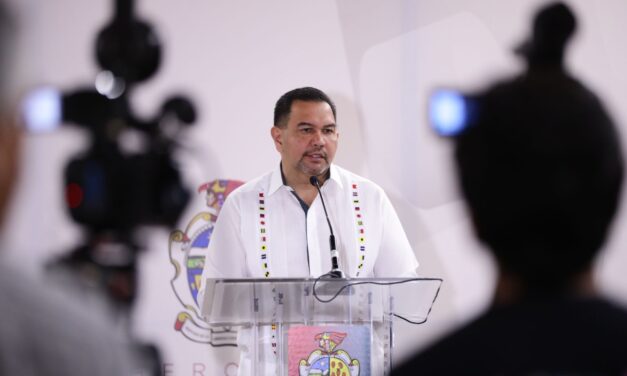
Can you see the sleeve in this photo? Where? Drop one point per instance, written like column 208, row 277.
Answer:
column 396, row 258
column 226, row 254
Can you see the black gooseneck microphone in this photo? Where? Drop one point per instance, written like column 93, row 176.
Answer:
column 335, row 269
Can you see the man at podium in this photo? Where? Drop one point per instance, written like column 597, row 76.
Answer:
column 306, row 218
column 277, row 226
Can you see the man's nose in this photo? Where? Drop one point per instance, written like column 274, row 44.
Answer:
column 318, row 139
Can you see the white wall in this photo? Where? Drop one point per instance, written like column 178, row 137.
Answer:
column 378, row 60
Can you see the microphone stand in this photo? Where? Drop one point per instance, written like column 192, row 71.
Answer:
column 335, row 269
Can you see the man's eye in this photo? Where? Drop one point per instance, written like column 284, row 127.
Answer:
column 306, row 130
column 329, row 131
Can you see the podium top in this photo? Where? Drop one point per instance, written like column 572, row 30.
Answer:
column 249, row 302
column 312, row 279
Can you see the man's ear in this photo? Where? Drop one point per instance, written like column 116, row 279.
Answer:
column 277, row 137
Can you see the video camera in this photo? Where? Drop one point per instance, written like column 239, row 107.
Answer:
column 451, row 112
column 127, row 177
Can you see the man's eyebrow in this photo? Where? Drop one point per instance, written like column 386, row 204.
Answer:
column 306, row 124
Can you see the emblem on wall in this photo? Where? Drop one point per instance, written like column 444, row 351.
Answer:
column 187, row 249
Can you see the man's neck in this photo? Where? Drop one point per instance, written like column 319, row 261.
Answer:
column 512, row 289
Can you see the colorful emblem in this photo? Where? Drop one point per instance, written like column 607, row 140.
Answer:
column 327, row 360
column 329, row 350
column 187, row 249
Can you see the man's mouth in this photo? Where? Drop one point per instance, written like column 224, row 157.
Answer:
column 316, row 155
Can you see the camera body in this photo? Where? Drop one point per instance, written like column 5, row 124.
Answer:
column 108, row 188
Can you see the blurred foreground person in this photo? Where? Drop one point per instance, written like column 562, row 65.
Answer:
column 44, row 330
column 541, row 169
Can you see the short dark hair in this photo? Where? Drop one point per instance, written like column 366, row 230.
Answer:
column 541, row 170
column 308, row 94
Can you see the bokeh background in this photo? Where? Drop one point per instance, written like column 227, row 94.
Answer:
column 379, row 60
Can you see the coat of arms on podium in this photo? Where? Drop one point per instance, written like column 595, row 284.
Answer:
column 342, row 350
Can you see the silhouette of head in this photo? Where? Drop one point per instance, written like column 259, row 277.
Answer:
column 541, row 169
column 553, row 26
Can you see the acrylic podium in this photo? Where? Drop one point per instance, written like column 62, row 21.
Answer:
column 317, row 327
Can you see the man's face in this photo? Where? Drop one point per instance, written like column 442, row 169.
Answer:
column 309, row 141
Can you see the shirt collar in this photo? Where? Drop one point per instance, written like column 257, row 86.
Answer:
column 277, row 179
column 335, row 176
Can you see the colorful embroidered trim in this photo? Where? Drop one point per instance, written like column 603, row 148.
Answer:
column 361, row 236
column 263, row 235
column 274, row 328
column 273, row 343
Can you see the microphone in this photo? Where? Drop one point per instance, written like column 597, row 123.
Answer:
column 335, row 269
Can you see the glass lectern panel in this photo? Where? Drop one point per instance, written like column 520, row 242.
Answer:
column 310, row 327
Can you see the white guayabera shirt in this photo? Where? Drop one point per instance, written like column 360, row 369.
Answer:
column 263, row 231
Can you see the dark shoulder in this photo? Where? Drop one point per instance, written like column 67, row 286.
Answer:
column 451, row 354
column 578, row 336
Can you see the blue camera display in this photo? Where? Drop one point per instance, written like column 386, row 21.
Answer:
column 448, row 112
